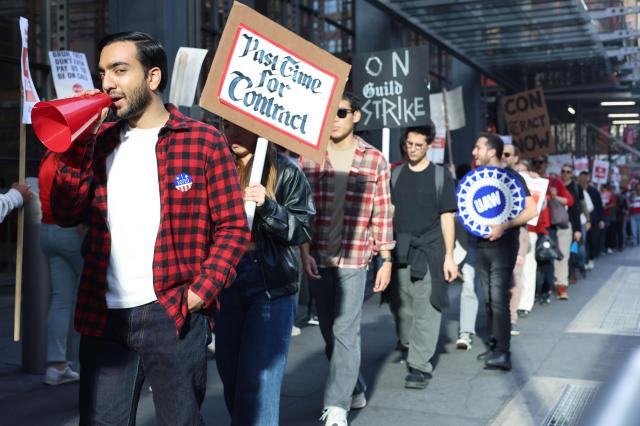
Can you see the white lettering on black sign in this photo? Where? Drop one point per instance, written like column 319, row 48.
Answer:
column 393, row 88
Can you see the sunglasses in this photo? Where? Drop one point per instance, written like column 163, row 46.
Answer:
column 506, row 154
column 566, row 171
column 538, row 162
column 342, row 112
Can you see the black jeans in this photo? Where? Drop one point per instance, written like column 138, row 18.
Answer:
column 494, row 269
column 545, row 279
column 142, row 343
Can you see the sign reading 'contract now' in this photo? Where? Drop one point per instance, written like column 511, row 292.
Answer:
column 274, row 83
column 528, row 123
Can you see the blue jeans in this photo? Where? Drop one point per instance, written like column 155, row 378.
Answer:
column 253, row 332
column 61, row 246
column 634, row 220
column 142, row 343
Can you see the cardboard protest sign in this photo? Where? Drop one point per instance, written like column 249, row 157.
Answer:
column 600, row 171
column 70, row 72
column 538, row 190
column 274, row 83
column 580, row 165
column 393, row 87
column 185, row 75
column 506, row 139
column 436, row 149
column 454, row 117
column 528, row 123
column 29, row 94
column 487, row 196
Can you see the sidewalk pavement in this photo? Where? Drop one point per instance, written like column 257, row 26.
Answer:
column 552, row 352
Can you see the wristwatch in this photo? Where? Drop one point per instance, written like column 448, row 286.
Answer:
column 387, row 259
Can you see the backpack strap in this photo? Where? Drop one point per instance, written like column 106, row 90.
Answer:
column 439, row 183
column 395, row 173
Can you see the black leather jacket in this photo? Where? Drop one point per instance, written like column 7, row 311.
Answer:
column 281, row 225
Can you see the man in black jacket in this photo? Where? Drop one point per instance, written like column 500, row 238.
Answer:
column 566, row 173
column 597, row 218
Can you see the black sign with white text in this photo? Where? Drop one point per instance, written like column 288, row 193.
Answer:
column 392, row 86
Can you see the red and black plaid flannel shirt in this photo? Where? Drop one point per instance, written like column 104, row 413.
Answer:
column 368, row 212
column 203, row 231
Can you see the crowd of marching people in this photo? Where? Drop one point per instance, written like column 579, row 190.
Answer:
column 171, row 258
column 578, row 222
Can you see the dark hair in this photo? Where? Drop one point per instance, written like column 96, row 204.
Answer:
column 493, row 142
column 584, row 173
column 354, row 101
column 151, row 54
column 428, row 130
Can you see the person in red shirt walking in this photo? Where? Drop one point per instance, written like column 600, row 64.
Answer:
column 558, row 197
column 162, row 200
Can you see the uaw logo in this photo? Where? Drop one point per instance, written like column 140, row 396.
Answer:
column 488, row 196
column 183, row 182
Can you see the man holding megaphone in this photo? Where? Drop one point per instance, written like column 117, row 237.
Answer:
column 160, row 195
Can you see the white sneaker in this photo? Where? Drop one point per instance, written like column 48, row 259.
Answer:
column 358, row 401
column 53, row 376
column 334, row 416
column 295, row 331
column 589, row 266
column 464, row 341
column 211, row 347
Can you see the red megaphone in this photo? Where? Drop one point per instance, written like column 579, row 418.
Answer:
column 59, row 123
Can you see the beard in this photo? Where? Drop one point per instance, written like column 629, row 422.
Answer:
column 137, row 102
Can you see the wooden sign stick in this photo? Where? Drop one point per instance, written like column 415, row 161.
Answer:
column 259, row 157
column 17, row 313
column 447, row 131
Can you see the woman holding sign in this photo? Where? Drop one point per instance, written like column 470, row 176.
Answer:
column 253, row 326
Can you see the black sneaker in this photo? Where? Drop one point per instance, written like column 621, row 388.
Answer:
column 416, row 379
column 485, row 355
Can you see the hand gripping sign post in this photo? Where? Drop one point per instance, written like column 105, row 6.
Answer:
column 488, row 196
column 276, row 84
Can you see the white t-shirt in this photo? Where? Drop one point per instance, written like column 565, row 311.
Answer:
column 133, row 212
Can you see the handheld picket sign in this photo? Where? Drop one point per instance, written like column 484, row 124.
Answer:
column 488, row 196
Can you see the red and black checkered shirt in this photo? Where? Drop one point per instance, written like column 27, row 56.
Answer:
column 203, row 231
column 368, row 212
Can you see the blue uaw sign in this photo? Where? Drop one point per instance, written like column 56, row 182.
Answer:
column 488, row 196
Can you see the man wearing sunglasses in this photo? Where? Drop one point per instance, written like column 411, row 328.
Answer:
column 510, row 158
column 353, row 222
